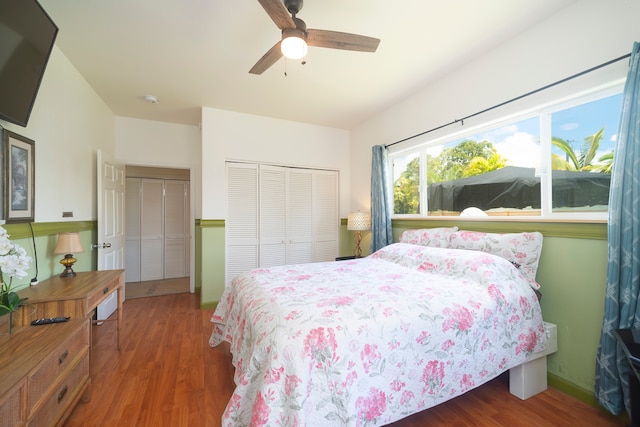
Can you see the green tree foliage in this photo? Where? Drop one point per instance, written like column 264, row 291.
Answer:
column 406, row 189
column 583, row 160
column 467, row 158
column 480, row 165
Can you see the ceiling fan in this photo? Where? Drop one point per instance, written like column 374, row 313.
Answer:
column 296, row 36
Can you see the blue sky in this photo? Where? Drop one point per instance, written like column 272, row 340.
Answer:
column 585, row 120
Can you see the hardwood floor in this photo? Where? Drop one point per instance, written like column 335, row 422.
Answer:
column 167, row 375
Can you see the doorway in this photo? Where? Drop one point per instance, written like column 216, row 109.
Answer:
column 157, row 225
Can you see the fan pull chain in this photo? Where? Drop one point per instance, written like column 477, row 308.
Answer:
column 285, row 66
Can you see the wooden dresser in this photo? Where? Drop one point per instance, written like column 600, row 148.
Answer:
column 44, row 371
column 76, row 297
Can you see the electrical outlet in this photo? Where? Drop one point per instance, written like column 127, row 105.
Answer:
column 67, row 214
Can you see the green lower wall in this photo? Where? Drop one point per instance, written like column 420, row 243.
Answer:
column 45, row 236
column 211, row 261
column 573, row 276
column 572, row 272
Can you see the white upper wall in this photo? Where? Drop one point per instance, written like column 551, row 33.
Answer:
column 584, row 35
column 172, row 145
column 235, row 136
column 159, row 144
column 69, row 123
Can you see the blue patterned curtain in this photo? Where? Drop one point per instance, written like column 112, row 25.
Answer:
column 622, row 303
column 381, row 234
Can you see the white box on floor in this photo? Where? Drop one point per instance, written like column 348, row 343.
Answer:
column 530, row 378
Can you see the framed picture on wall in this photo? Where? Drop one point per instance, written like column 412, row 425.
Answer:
column 18, row 183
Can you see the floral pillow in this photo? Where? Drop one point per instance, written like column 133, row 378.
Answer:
column 522, row 249
column 434, row 237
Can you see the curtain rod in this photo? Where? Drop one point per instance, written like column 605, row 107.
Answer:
column 513, row 99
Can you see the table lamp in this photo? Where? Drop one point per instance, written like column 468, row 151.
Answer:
column 68, row 244
column 358, row 221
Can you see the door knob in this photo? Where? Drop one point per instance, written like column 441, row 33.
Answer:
column 101, row 245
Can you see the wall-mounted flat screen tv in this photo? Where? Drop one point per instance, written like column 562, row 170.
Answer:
column 27, row 35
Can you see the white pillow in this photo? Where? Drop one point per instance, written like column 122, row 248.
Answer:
column 434, row 237
column 522, row 249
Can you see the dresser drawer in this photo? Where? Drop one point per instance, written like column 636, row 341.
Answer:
column 65, row 355
column 65, row 391
column 97, row 295
column 12, row 407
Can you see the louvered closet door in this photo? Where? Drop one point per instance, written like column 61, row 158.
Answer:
column 152, row 229
column 279, row 215
column 175, row 234
column 326, row 218
column 241, row 224
column 299, row 219
column 273, row 221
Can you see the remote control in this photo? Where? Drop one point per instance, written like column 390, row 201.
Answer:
column 49, row 320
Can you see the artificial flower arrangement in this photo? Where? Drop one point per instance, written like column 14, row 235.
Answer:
column 14, row 262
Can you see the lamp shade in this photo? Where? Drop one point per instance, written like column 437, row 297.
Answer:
column 68, row 243
column 293, row 44
column 359, row 221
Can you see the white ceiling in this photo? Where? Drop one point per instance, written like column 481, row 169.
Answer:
column 193, row 53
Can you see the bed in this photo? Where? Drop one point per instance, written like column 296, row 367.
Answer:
column 373, row 340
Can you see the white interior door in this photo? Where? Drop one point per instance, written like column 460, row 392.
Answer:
column 111, row 241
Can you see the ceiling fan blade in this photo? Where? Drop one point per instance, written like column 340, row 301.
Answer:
column 267, row 60
column 276, row 10
column 338, row 40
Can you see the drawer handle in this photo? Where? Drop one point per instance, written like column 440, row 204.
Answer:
column 62, row 393
column 105, row 290
column 62, row 357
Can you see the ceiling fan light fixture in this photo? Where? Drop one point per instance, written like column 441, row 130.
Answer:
column 294, row 45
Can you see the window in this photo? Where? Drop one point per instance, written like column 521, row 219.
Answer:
column 503, row 170
column 583, row 140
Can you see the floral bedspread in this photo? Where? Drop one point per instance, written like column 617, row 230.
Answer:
column 373, row 340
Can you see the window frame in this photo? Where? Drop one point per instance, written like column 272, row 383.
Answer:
column 544, row 113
